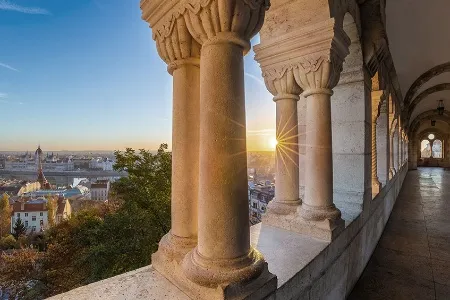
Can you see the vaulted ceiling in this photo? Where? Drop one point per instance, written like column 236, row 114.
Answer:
column 419, row 41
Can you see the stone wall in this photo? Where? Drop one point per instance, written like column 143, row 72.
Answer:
column 306, row 268
column 333, row 273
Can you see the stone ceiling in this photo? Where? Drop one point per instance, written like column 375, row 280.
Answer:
column 419, row 40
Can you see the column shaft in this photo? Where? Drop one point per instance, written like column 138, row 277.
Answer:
column 391, row 157
column 223, row 205
column 318, row 202
column 375, row 182
column 185, row 146
column 287, row 157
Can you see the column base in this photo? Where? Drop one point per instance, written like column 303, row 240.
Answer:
column 391, row 173
column 223, row 279
column 281, row 214
column 376, row 187
column 171, row 251
column 320, row 222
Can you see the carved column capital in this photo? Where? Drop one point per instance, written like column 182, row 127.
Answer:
column 284, row 87
column 219, row 21
column 315, row 55
column 174, row 43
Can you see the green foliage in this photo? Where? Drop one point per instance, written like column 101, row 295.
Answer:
column 51, row 206
column 5, row 215
column 8, row 242
column 147, row 186
column 19, row 228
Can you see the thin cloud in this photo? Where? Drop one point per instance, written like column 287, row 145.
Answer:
column 257, row 79
column 8, row 66
column 3, row 95
column 6, row 5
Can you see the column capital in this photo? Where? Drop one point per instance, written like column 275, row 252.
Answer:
column 174, row 43
column 284, row 87
column 314, row 54
column 224, row 21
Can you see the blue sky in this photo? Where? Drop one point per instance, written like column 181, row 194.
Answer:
column 85, row 75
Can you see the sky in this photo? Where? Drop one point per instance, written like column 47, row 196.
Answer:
column 85, row 75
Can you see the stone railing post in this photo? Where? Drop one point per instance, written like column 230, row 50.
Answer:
column 376, row 99
column 224, row 265
column 314, row 56
column 181, row 52
column 383, row 141
column 317, row 76
column 286, row 95
column 391, row 146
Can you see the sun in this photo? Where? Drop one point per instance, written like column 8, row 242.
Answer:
column 273, row 143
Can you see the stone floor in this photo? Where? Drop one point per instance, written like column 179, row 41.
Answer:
column 412, row 258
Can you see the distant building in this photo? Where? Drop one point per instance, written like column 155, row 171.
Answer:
column 259, row 196
column 71, row 193
column 49, row 162
column 100, row 190
column 34, row 213
column 63, row 211
column 100, row 163
column 41, row 178
column 14, row 187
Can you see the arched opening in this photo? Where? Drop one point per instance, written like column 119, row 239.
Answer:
column 425, row 149
column 436, row 149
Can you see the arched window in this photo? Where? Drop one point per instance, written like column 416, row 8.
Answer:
column 425, row 149
column 437, row 149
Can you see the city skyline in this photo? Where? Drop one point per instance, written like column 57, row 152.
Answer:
column 85, row 76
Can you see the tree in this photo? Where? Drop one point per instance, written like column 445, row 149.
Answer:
column 20, row 273
column 19, row 228
column 5, row 216
column 51, row 206
column 148, row 183
column 8, row 242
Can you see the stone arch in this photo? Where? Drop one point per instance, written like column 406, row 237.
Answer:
column 423, row 95
column 350, row 107
column 374, row 36
column 428, row 116
column 422, row 79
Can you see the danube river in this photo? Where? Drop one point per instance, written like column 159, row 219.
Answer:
column 62, row 178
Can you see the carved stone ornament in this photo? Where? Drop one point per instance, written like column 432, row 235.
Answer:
column 314, row 54
column 205, row 18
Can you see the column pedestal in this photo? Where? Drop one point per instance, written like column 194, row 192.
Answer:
column 318, row 214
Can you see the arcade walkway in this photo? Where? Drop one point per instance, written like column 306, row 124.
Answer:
column 412, row 258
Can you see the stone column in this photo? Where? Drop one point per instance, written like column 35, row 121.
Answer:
column 317, row 82
column 223, row 259
column 286, row 95
column 383, row 144
column 182, row 54
column 396, row 149
column 376, row 98
column 391, row 146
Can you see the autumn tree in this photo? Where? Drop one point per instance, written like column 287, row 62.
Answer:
column 19, row 228
column 5, row 216
column 52, row 203
column 20, row 273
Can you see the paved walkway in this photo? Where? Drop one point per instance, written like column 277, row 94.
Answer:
column 412, row 258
